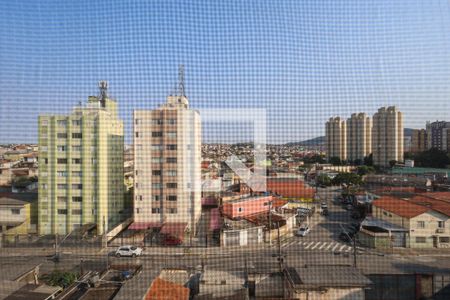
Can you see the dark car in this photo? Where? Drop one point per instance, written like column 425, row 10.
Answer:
column 355, row 215
column 325, row 212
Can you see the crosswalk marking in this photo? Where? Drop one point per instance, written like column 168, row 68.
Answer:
column 329, row 246
column 309, row 245
column 348, row 249
column 335, row 247
column 342, row 247
column 315, row 246
column 323, row 245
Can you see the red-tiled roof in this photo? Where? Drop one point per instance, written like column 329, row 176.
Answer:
column 400, row 207
column 166, row 290
column 429, row 200
column 290, row 188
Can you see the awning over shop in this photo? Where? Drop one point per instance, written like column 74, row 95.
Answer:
column 174, row 229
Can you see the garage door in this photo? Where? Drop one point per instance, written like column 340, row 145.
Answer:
column 398, row 239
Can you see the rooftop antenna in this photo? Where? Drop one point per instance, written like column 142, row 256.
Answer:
column 103, row 86
column 181, row 81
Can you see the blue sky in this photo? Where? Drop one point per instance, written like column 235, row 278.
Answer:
column 303, row 61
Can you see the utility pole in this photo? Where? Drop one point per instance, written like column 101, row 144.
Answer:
column 270, row 223
column 354, row 245
column 280, row 259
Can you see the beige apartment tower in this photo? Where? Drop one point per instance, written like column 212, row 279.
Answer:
column 167, row 162
column 359, row 137
column 336, row 138
column 387, row 136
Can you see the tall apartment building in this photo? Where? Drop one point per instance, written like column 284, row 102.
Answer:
column 167, row 162
column 81, row 167
column 359, row 136
column 418, row 140
column 336, row 138
column 437, row 135
column 387, row 136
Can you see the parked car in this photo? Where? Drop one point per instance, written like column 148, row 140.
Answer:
column 323, row 205
column 355, row 215
column 303, row 231
column 325, row 212
column 131, row 251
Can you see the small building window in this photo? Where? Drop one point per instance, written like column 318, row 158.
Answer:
column 441, row 224
column 61, row 161
column 76, row 212
column 421, row 239
column 420, row 224
column 62, row 211
column 171, row 160
column 172, row 210
column 76, row 161
column 171, row 147
column 240, row 209
column 156, row 172
column 171, row 198
column 157, row 134
column 156, row 197
column 77, row 135
column 15, row 211
column 171, row 185
column 77, row 199
column 155, row 210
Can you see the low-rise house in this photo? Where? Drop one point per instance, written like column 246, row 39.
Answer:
column 246, row 206
column 15, row 216
column 215, row 284
column 425, row 226
column 291, row 189
column 325, row 282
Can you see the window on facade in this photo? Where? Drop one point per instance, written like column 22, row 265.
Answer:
column 62, row 199
column 172, row 210
column 76, row 212
column 420, row 224
column 77, row 199
column 137, row 121
column 61, row 174
column 157, row 134
column 157, row 147
column 156, row 185
column 77, row 186
column 240, row 209
column 171, row 147
column 171, row 173
column 76, row 122
column 441, row 224
column 421, row 239
column 156, row 172
column 43, row 148
column 76, row 148
column 157, row 159
column 444, row 239
column 156, row 197
column 171, row 198
column 15, row 211
column 155, row 210
column 171, row 185
column 76, row 161
column 171, row 134
column 76, row 173
column 157, row 122
column 44, row 186
column 62, row 211
column 171, row 121
column 136, row 134
column 137, row 210
column 171, row 160
column 77, row 135
column 62, row 122
column 61, row 161
column 62, row 186
column 61, row 135
column 61, row 148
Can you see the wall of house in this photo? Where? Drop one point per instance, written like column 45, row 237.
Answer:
column 430, row 220
column 6, row 216
column 246, row 207
column 390, row 217
column 331, row 294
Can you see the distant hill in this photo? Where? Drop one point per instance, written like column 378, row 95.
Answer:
column 317, row 141
column 320, row 140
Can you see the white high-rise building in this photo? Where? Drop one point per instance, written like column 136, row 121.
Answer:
column 336, row 138
column 359, row 136
column 387, row 136
column 167, row 164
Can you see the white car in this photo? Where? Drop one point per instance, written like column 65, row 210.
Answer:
column 131, row 251
column 303, row 231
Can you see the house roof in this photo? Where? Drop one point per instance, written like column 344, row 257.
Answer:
column 10, row 201
column 166, row 290
column 327, row 276
column 400, row 207
column 289, row 188
column 429, row 201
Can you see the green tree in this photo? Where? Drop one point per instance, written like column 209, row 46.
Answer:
column 348, row 179
column 364, row 170
column 336, row 161
column 433, row 158
column 368, row 160
column 323, row 179
column 60, row 278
